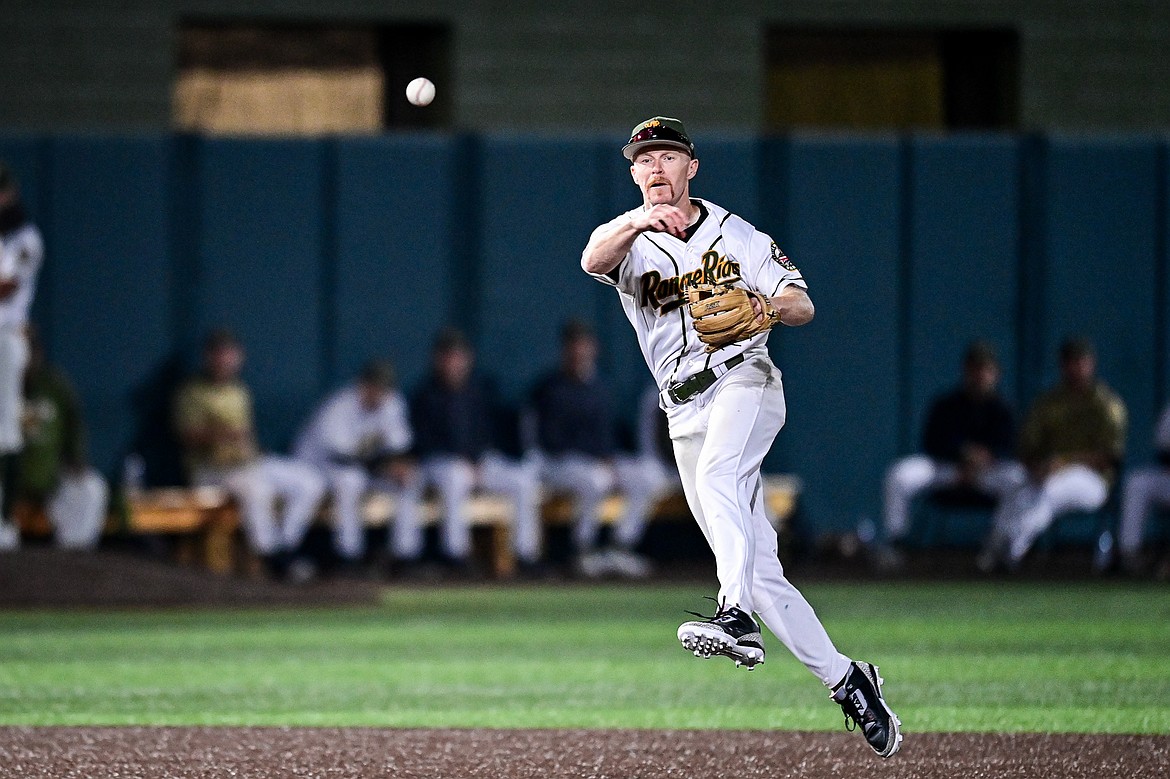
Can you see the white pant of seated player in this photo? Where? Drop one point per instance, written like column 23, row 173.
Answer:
column 257, row 486
column 642, row 482
column 910, row 476
column 720, row 440
column 348, row 485
column 77, row 509
column 1144, row 488
column 1030, row 509
column 454, row 479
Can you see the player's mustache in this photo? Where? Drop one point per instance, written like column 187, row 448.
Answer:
column 656, row 180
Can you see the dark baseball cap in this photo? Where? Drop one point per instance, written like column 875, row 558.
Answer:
column 1075, row 347
column 658, row 131
column 377, row 372
column 221, row 338
column 449, row 339
column 576, row 330
column 980, row 353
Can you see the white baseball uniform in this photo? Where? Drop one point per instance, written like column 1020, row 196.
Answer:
column 722, row 434
column 21, row 254
column 341, row 435
column 1144, row 488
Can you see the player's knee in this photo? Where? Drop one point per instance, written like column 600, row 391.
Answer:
column 349, row 485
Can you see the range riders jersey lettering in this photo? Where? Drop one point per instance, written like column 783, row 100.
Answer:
column 721, row 248
column 715, row 269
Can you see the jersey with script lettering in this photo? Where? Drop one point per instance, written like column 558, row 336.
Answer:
column 21, row 252
column 721, row 248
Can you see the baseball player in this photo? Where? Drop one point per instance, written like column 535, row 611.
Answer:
column 215, row 422
column 576, row 446
column 1071, row 445
column 356, row 438
column 701, row 288
column 1144, row 489
column 967, row 442
column 54, row 469
column 21, row 252
column 455, row 416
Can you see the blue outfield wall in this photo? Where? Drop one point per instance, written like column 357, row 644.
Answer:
column 322, row 253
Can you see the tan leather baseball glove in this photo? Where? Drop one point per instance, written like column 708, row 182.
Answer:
column 724, row 315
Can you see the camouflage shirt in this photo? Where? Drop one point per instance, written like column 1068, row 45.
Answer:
column 223, row 408
column 1068, row 425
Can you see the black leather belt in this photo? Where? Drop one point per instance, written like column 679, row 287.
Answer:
column 686, row 390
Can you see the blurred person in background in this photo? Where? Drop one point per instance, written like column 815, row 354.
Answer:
column 1142, row 490
column 214, row 419
column 967, row 444
column 457, row 423
column 575, row 435
column 21, row 254
column 53, row 470
column 1071, row 445
column 358, row 438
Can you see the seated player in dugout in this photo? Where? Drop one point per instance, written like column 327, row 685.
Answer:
column 702, row 289
column 358, row 438
column 576, row 443
column 1071, row 445
column 968, row 443
column 1145, row 489
column 459, row 431
column 214, row 420
column 53, row 470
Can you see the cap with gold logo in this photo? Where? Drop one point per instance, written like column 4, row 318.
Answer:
column 659, row 131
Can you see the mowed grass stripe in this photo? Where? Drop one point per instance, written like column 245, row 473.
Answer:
column 984, row 657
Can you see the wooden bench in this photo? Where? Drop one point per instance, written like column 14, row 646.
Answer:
column 32, row 519
column 205, row 516
column 210, row 520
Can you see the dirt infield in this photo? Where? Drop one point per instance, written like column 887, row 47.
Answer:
column 353, row 753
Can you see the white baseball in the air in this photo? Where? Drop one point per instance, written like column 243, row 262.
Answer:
column 420, row 91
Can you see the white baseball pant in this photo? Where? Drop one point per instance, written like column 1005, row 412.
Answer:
column 13, row 360
column 910, row 476
column 257, row 486
column 454, row 479
column 1030, row 509
column 720, row 440
column 1144, row 488
column 77, row 509
column 348, row 485
column 641, row 482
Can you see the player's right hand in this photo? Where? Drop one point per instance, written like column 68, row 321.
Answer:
column 661, row 219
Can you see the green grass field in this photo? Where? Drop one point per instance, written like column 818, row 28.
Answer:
column 988, row 657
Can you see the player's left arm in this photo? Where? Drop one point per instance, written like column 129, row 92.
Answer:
column 795, row 306
column 768, row 270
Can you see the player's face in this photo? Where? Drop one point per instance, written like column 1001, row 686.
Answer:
column 1079, row 371
column 663, row 175
column 224, row 362
column 371, row 394
column 982, row 377
column 453, row 366
column 581, row 356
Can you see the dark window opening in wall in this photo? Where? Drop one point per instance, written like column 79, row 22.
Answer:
column 307, row 79
column 891, row 79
